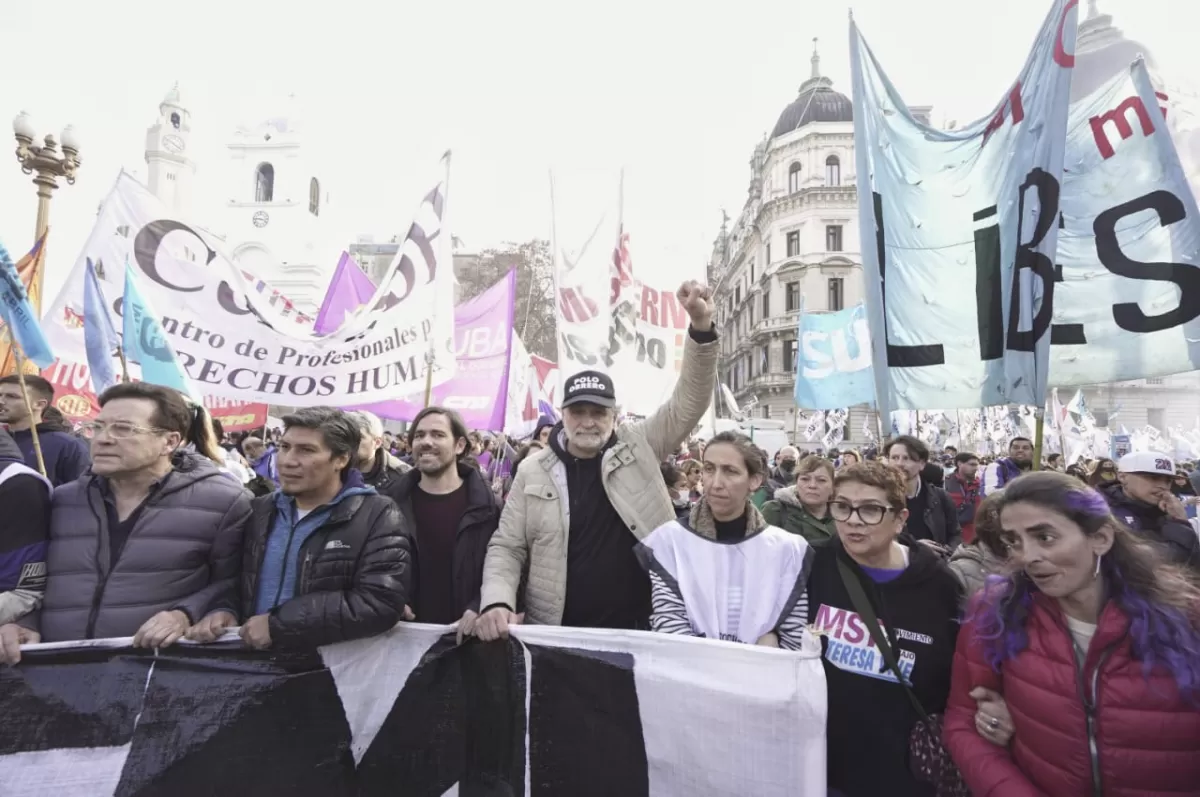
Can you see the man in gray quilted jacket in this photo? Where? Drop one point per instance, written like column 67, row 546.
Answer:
column 578, row 507
column 146, row 543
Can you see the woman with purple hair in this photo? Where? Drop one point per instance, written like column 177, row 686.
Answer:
column 1095, row 645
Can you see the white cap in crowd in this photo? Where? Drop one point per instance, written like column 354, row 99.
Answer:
column 1147, row 462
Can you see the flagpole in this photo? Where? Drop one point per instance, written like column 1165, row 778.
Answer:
column 124, row 364
column 431, row 355
column 20, row 359
column 1039, row 416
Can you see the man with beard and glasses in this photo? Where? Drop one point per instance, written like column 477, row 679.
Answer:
column 1005, row 469
column 451, row 513
column 565, row 544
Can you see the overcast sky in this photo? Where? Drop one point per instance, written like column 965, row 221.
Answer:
column 676, row 92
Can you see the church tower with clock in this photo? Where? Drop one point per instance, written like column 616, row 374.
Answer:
column 171, row 168
column 274, row 209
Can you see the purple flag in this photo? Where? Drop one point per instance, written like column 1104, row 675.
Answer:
column 483, row 329
column 349, row 290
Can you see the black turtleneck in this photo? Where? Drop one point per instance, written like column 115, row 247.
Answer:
column 731, row 530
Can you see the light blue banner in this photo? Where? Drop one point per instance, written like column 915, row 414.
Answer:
column 146, row 342
column 833, row 365
column 959, row 230
column 18, row 314
column 99, row 335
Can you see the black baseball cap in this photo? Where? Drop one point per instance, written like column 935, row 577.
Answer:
column 589, row 387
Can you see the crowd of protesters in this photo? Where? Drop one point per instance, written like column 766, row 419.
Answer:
column 985, row 626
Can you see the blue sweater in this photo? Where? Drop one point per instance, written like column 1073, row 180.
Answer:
column 67, row 456
column 280, row 573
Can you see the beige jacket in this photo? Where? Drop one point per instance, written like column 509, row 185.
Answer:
column 532, row 536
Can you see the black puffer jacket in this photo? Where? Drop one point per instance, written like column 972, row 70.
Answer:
column 471, row 540
column 1175, row 537
column 355, row 579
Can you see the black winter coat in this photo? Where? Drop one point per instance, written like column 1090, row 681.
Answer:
column 354, row 580
column 1175, row 538
column 471, row 542
column 941, row 516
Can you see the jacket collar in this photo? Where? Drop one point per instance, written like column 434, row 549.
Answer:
column 479, row 495
column 702, row 522
column 352, row 485
column 1112, row 625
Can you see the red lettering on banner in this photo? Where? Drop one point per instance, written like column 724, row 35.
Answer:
column 1119, row 116
column 1014, row 103
column 1061, row 57
column 650, row 306
column 575, row 307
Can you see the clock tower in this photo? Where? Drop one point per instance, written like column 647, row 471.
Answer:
column 168, row 156
column 275, row 208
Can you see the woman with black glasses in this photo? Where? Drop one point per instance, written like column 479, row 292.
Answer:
column 885, row 608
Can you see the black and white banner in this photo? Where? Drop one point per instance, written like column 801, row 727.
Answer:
column 551, row 712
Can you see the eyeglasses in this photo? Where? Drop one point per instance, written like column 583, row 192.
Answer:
column 117, row 430
column 869, row 514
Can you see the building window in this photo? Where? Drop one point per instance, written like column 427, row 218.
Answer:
column 1101, row 417
column 833, row 170
column 789, row 355
column 833, row 238
column 171, row 176
column 766, row 411
column 768, row 253
column 264, row 183
column 737, row 295
column 1157, row 419
column 751, row 281
column 766, row 304
column 793, row 243
column 1154, row 381
column 792, row 297
column 314, row 197
column 837, row 296
column 794, row 178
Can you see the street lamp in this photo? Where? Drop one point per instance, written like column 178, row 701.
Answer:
column 45, row 162
column 47, row 165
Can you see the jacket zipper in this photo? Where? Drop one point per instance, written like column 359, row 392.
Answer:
column 303, row 585
column 102, row 585
column 1089, row 694
column 1089, row 708
column 291, row 536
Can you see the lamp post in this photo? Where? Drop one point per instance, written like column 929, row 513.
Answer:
column 46, row 165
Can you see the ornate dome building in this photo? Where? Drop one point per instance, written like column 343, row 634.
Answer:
column 794, row 244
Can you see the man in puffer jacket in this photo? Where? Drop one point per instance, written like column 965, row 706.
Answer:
column 326, row 558
column 145, row 544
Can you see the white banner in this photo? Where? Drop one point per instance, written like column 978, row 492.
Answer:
column 521, row 412
column 1128, row 306
column 240, row 343
column 615, row 319
column 940, row 209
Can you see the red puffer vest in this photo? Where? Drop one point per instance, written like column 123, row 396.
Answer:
column 1104, row 728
